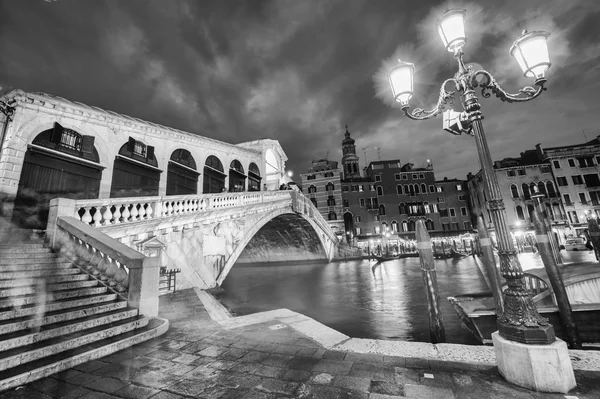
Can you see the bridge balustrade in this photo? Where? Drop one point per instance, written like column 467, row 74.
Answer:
column 109, row 211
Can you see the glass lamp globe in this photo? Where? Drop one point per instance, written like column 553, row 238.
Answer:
column 401, row 81
column 451, row 27
column 531, row 52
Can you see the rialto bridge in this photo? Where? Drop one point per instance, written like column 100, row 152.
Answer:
column 97, row 179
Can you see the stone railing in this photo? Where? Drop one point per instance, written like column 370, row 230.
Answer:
column 126, row 271
column 304, row 205
column 110, row 211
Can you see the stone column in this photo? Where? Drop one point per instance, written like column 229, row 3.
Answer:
column 143, row 285
column 58, row 207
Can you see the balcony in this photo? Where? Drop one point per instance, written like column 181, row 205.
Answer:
column 569, row 203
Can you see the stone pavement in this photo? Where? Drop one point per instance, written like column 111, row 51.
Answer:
column 198, row 358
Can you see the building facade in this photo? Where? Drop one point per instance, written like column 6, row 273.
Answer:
column 322, row 185
column 519, row 179
column 52, row 147
column 455, row 213
column 576, row 171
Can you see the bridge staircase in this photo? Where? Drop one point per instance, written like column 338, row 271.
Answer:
column 54, row 314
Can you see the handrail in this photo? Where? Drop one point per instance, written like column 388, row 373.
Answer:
column 120, row 267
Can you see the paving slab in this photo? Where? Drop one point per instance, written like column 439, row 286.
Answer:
column 267, row 356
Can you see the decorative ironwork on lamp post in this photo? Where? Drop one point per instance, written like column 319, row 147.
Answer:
column 520, row 320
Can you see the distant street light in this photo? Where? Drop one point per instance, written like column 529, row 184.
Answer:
column 520, row 321
column 290, row 173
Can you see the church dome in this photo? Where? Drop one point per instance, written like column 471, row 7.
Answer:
column 348, row 139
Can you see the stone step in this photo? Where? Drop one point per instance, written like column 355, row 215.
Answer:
column 38, row 273
column 25, row 248
column 52, row 296
column 49, row 280
column 29, row 353
column 18, row 339
column 24, row 323
column 47, row 254
column 33, row 289
column 30, row 310
column 25, row 245
column 35, row 266
column 46, row 366
column 47, row 260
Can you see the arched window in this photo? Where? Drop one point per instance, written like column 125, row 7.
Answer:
column 237, row 177
column 46, row 174
column 417, row 191
column 423, row 188
column 135, row 172
column 379, row 190
column 429, row 224
column 381, row 209
column 411, row 225
column 399, row 189
column 384, row 227
column 312, row 189
column 394, row 226
column 412, row 190
column 406, row 189
column 331, row 201
column 520, row 214
column 514, row 191
column 253, row 177
column 314, row 201
column 331, row 216
column 402, row 209
column 329, row 187
column 404, row 226
column 550, row 189
column 182, row 177
column 530, row 210
column 214, row 176
column 542, row 188
column 525, row 188
column 532, row 188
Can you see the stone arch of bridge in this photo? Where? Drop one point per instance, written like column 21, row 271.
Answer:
column 327, row 244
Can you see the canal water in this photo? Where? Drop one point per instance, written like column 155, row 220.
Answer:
column 360, row 298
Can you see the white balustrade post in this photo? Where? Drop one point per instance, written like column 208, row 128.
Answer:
column 86, row 217
column 107, row 215
column 158, row 208
column 134, row 212
column 117, row 214
column 143, row 285
column 97, row 216
column 149, row 211
column 58, row 207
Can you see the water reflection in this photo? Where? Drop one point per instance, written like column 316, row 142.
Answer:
column 361, row 299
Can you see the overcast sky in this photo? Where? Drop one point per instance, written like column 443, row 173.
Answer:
column 298, row 71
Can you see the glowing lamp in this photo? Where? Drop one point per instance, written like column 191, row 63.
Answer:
column 451, row 27
column 531, row 52
column 401, row 81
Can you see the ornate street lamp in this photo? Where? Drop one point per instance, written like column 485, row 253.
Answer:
column 520, row 321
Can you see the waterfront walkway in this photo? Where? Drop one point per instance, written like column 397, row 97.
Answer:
column 199, row 358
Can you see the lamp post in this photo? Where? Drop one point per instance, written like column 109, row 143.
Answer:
column 520, row 320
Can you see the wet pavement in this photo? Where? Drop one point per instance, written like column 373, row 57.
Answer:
column 198, row 358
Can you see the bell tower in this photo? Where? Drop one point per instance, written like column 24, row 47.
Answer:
column 349, row 157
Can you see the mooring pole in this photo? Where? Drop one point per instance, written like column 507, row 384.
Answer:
column 543, row 238
column 594, row 231
column 489, row 262
column 436, row 322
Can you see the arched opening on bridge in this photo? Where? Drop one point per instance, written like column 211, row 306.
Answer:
column 135, row 172
column 182, row 176
column 253, row 177
column 59, row 162
column 214, row 177
column 237, row 178
column 272, row 170
column 283, row 238
column 349, row 226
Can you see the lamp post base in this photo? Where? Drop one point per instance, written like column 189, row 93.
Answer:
column 539, row 335
column 544, row 368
